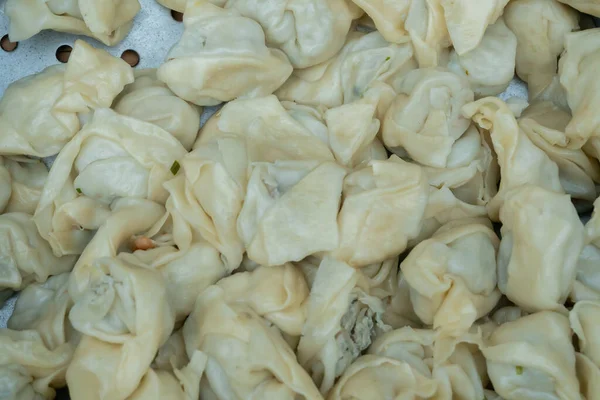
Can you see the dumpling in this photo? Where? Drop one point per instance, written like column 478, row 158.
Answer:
column 540, row 27
column 584, row 322
column 21, row 183
column 308, row 31
column 425, row 119
column 490, row 66
column 521, row 162
column 29, row 370
column 388, row 17
column 150, row 100
column 451, row 285
column 589, row 377
column 291, row 210
column 277, row 294
column 464, row 187
column 93, row 79
column 342, row 320
column 374, row 377
column 544, row 124
column 222, row 56
column 30, row 123
column 542, row 236
column 172, row 354
column 585, row 6
column 533, row 358
column 578, row 77
column 467, row 21
column 44, row 307
column 186, row 272
column 124, row 315
column 112, row 157
column 587, row 282
column 181, row 384
column 383, row 207
column 364, row 60
column 25, row 256
column 109, row 22
column 247, row 356
column 129, row 217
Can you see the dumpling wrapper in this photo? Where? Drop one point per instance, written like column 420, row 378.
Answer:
column 540, row 27
column 44, row 307
column 25, row 257
column 467, row 21
column 112, row 157
column 521, row 162
column 542, row 236
column 124, row 314
column 544, row 124
column 533, row 358
column 346, row 77
column 109, row 22
column 29, row 370
column 21, row 183
column 383, row 208
column 93, row 79
column 451, row 286
column 584, row 322
column 221, row 56
column 489, row 67
column 342, row 319
column 578, row 77
column 150, row 100
column 247, row 357
column 30, row 123
column 177, row 5
column 307, row 31
column 587, row 282
column 291, row 210
column 425, row 119
column 591, row 7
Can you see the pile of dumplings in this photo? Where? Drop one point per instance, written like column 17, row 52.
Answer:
column 363, row 219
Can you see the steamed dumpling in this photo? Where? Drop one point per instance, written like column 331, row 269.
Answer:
column 222, row 56
column 451, row 286
column 383, row 207
column 93, row 79
column 247, row 356
column 542, row 236
column 587, row 282
column 584, row 319
column 21, row 183
column 425, row 119
column 109, row 22
column 540, row 27
column 124, row 315
column 112, row 157
column 291, row 210
column 467, row 21
column 585, row 6
column 30, row 123
column 307, row 31
column 533, row 358
column 30, row 370
column 44, row 307
column 579, row 78
column 342, row 319
column 24, row 256
column 364, row 60
column 150, row 100
column 490, row 66
column 544, row 124
column 521, row 162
